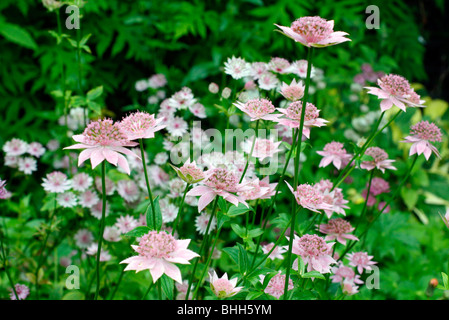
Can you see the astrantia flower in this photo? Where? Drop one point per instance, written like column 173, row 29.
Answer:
column 395, row 90
column 379, row 186
column 22, row 292
column 67, row 199
column 110, row 185
column 159, row 251
column 237, row 68
column 81, row 182
column 293, row 91
column 190, row 172
column 104, row 140
column 126, row 223
column 198, row 110
column 4, row 194
column 335, row 153
column 27, row 165
column 177, row 126
column 96, row 210
column 337, row 229
column 333, row 198
column 141, row 85
column 104, row 254
column 292, row 117
column 256, row 190
column 279, row 65
column 309, row 197
column 380, row 160
column 182, row 99
column 88, row 199
column 219, row 182
column 157, row 81
column 140, row 125
column 202, row 221
column 314, row 32
column 276, row 253
column 128, row 190
column 36, row 149
column 83, row 238
column 223, row 287
column 56, row 182
column 268, row 81
column 343, row 273
column 258, row 69
column 258, row 109
column 421, row 136
column 361, row 260
column 276, row 285
column 112, row 234
column 299, row 68
column 263, row 148
column 15, row 147
column 169, row 212
column 314, row 251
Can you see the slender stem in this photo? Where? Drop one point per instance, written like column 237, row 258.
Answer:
column 150, row 194
column 203, row 243
column 175, row 224
column 118, row 284
column 365, row 204
column 251, row 152
column 102, row 224
column 296, row 177
column 5, row 265
column 148, row 290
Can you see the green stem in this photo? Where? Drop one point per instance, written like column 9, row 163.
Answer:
column 118, row 284
column 251, row 152
column 102, row 225
column 148, row 290
column 175, row 224
column 365, row 204
column 5, row 265
column 150, row 194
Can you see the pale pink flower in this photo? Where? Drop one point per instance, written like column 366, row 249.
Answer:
column 141, row 85
column 140, row 125
column 268, row 81
column 314, row 32
column 379, row 186
column 11, row 161
column 159, row 251
column 128, row 190
column 337, row 229
column 53, row 145
column 237, row 68
column 299, row 68
column 83, row 238
column 182, row 290
column 169, row 212
column 157, row 81
column 104, row 254
column 309, row 197
column 421, row 136
column 213, row 88
column 335, row 153
column 265, row 183
column 292, row 117
column 56, row 182
column 223, row 287
column 126, row 223
column 67, row 199
column 36, row 149
column 27, row 165
column 198, row 110
column 334, row 198
column 202, row 221
column 293, row 91
column 342, row 273
column 81, row 182
column 256, row 190
column 219, row 182
column 15, row 147
column 279, row 65
column 395, row 90
column 226, row 92
column 96, row 210
column 349, row 288
column 22, row 292
column 189, row 172
column 88, row 199
column 182, row 99
column 112, row 234
column 4, row 194
column 104, row 140
column 276, row 253
column 380, row 160
column 446, row 218
column 258, row 69
column 263, row 148
column 361, row 260
column 177, row 126
column 177, row 187
column 276, row 285
column 314, row 251
column 258, row 109
column 110, row 185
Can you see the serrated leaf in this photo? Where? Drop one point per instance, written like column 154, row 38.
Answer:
column 242, row 259
column 95, row 107
column 445, row 280
column 236, row 211
column 254, row 295
column 74, row 295
column 167, row 286
column 17, row 35
column 313, row 274
column 95, row 93
column 138, row 232
column 154, row 225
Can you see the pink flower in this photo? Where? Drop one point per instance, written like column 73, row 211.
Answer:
column 189, row 172
column 81, row 182
column 237, row 68
column 176, row 126
column 36, row 149
column 268, row 81
column 263, row 148
column 256, row 190
column 379, row 186
column 335, row 153
column 342, row 273
column 276, row 253
column 22, row 292
column 157, row 81
column 294, row 91
column 126, row 223
column 337, row 229
column 314, row 251
column 140, row 125
column 83, row 238
column 104, row 140
column 333, row 198
column 219, row 182
column 222, row 287
column 258, row 109
column 202, row 221
column 446, row 218
column 314, row 32
column 4, row 194
column 182, row 99
column 292, row 117
column 158, row 252
column 361, row 260
column 379, row 161
column 395, row 90
column 56, row 182
column 257, row 69
column 104, row 254
column 128, row 190
column 421, row 136
column 15, row 147
column 198, row 110
column 309, row 197
column 279, row 65
column 27, row 165
column 276, row 285
column 88, row 199
column 299, row 68
column 67, row 199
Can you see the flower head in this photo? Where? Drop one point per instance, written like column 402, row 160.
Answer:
column 190, row 172
column 276, row 285
column 237, row 68
column 338, row 229
column 15, row 147
column 56, row 182
column 258, row 109
column 104, row 140
column 81, row 182
column 159, row 251
column 314, row 32
column 380, row 160
column 309, row 197
column 263, row 148
column 279, row 65
column 314, row 251
column 223, row 287
column 361, row 260
column 421, row 136
column 140, row 125
column 293, row 91
column 22, row 292
column 335, row 153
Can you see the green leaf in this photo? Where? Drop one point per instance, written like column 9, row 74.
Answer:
column 73, row 295
column 445, row 280
column 313, row 274
column 95, row 107
column 167, row 286
column 95, row 93
column 242, row 259
column 239, row 230
column 254, row 295
column 138, row 231
column 154, row 225
column 236, row 211
column 17, row 35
